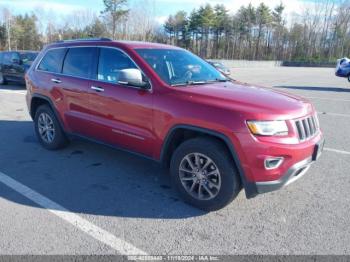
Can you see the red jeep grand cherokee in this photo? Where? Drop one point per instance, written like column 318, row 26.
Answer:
column 167, row 104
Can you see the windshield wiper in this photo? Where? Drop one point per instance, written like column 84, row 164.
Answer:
column 201, row 82
column 218, row 80
column 190, row 83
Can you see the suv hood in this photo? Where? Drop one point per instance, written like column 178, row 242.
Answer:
column 263, row 103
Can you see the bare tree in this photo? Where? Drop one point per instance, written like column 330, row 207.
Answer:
column 7, row 16
column 320, row 33
column 114, row 12
column 141, row 24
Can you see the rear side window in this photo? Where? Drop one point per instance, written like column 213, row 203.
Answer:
column 52, row 61
column 80, row 62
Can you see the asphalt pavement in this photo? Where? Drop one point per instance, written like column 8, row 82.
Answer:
column 90, row 199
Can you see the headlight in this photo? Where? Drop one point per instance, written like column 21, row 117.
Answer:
column 268, row 128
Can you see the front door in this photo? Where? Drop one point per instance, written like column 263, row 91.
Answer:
column 123, row 114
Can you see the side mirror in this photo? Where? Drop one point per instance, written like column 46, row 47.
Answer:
column 133, row 77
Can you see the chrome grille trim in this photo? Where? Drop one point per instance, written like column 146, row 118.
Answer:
column 306, row 127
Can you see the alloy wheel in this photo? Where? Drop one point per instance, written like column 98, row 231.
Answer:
column 46, row 128
column 200, row 176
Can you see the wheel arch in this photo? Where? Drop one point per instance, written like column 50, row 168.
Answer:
column 177, row 135
column 38, row 100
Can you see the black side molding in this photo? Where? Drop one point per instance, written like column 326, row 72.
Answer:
column 47, row 99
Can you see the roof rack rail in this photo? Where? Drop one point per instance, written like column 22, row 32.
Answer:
column 84, row 39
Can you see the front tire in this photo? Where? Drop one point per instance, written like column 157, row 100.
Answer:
column 349, row 78
column 204, row 174
column 48, row 129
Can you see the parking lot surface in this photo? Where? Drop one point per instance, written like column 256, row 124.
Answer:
column 90, row 199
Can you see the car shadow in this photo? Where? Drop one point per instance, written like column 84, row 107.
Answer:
column 316, row 88
column 13, row 86
column 88, row 178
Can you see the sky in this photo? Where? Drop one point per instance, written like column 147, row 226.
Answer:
column 162, row 8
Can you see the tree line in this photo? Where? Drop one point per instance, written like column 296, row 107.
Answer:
column 31, row 31
column 319, row 33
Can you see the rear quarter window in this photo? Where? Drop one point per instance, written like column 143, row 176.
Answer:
column 53, row 60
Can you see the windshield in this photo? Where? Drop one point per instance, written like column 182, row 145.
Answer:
column 180, row 67
column 28, row 58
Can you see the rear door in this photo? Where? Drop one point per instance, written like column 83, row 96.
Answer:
column 122, row 114
column 64, row 74
column 79, row 67
column 17, row 67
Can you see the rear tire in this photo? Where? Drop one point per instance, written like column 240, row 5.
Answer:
column 48, row 129
column 349, row 78
column 211, row 181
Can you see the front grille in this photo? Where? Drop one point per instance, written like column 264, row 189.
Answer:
column 307, row 127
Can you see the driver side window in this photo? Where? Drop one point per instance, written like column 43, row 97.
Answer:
column 111, row 62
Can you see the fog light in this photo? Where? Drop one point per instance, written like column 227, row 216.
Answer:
column 273, row 162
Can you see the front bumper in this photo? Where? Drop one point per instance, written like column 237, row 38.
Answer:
column 294, row 173
column 342, row 72
column 253, row 151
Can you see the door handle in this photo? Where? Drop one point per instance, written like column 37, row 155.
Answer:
column 55, row 80
column 97, row 89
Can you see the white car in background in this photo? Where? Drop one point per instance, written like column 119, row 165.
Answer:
column 221, row 67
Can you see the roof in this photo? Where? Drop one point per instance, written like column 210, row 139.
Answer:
column 106, row 41
column 139, row 45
